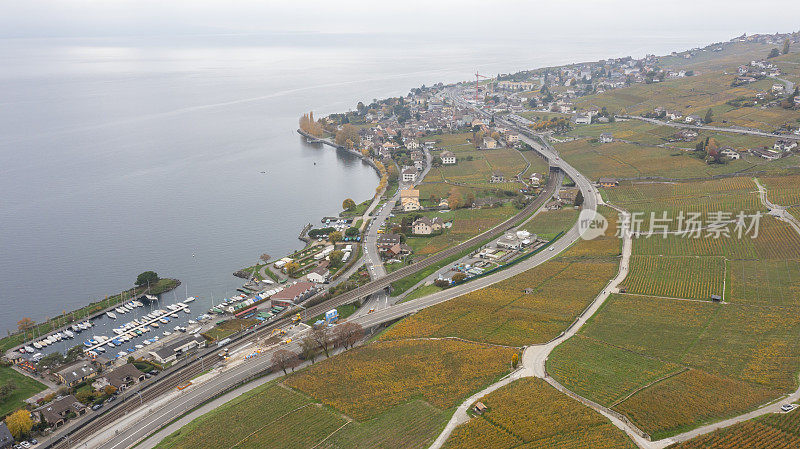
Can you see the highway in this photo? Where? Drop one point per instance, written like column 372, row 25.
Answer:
column 196, row 395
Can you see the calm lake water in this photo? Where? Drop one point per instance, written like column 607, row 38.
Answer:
column 123, row 155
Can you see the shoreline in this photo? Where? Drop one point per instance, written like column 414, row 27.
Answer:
column 88, row 312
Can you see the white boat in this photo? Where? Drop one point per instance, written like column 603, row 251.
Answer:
column 117, row 331
column 29, row 349
column 187, row 310
column 174, row 315
column 122, row 354
column 120, row 310
column 154, row 324
column 100, row 349
column 167, row 333
column 138, row 304
column 151, row 297
column 69, row 334
column 37, row 345
column 147, row 342
column 125, row 338
column 111, row 315
column 111, row 343
column 189, row 299
column 180, row 304
column 139, row 346
column 192, row 322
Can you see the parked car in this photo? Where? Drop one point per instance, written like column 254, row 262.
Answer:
column 25, row 444
column 97, row 407
column 34, row 441
column 787, row 407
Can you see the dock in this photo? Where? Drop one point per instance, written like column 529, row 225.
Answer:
column 144, row 324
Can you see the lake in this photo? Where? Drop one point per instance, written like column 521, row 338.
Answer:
column 124, row 155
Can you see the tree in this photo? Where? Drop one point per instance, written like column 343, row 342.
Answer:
column 308, row 349
column 459, row 277
column 146, row 278
column 579, row 199
column 285, row 359
column 109, row 390
column 709, row 116
column 265, row 257
column 292, row 269
column 322, row 337
column 348, row 204
column 74, row 353
column 785, row 46
column 352, row 231
column 24, row 323
column 19, row 423
column 336, row 258
column 392, row 172
column 307, row 124
column 6, row 390
column 515, row 360
column 774, row 53
column 347, row 136
column 348, row 334
column 51, row 360
column 334, row 236
column 441, row 283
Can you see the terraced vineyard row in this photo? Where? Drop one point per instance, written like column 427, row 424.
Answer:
column 676, row 277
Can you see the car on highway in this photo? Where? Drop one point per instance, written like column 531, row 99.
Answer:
column 787, row 407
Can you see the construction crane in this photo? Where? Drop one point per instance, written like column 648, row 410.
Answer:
column 478, row 76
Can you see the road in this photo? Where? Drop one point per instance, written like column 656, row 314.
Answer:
column 194, row 396
column 715, row 128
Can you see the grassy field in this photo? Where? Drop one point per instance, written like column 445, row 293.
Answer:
column 25, row 388
column 780, row 430
column 228, row 328
column 504, row 313
column 529, row 413
column 424, row 290
column 467, row 223
column 548, row 223
column 366, row 386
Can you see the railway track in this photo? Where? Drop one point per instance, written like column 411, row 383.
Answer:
column 181, row 374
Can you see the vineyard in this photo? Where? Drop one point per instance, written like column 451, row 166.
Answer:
column 689, row 399
column 767, row 282
column 363, row 383
column 730, row 195
column 776, row 240
column 783, row 190
column 616, row 372
column 765, row 432
column 531, row 413
column 504, row 314
column 676, row 277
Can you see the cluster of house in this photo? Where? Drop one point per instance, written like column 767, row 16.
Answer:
column 60, row 410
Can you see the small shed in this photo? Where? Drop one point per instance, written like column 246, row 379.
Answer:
column 716, row 298
column 479, row 408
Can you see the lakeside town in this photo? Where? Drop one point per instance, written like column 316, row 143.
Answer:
column 449, row 170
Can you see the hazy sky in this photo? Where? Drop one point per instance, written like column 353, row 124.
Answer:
column 711, row 20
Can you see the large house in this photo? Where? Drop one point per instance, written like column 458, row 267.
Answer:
column 489, row 143
column 409, row 200
column 426, row 226
column 318, row 275
column 6, row 439
column 448, row 157
column 608, row 182
column 409, row 174
column 293, row 294
column 119, row 378
column 169, row 353
column 57, row 412
column 388, row 240
column 606, row 138
column 497, row 177
column 785, row 145
column 76, row 373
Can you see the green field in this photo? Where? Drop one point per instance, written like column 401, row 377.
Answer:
column 676, row 277
column 25, row 387
column 548, row 223
column 529, row 413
